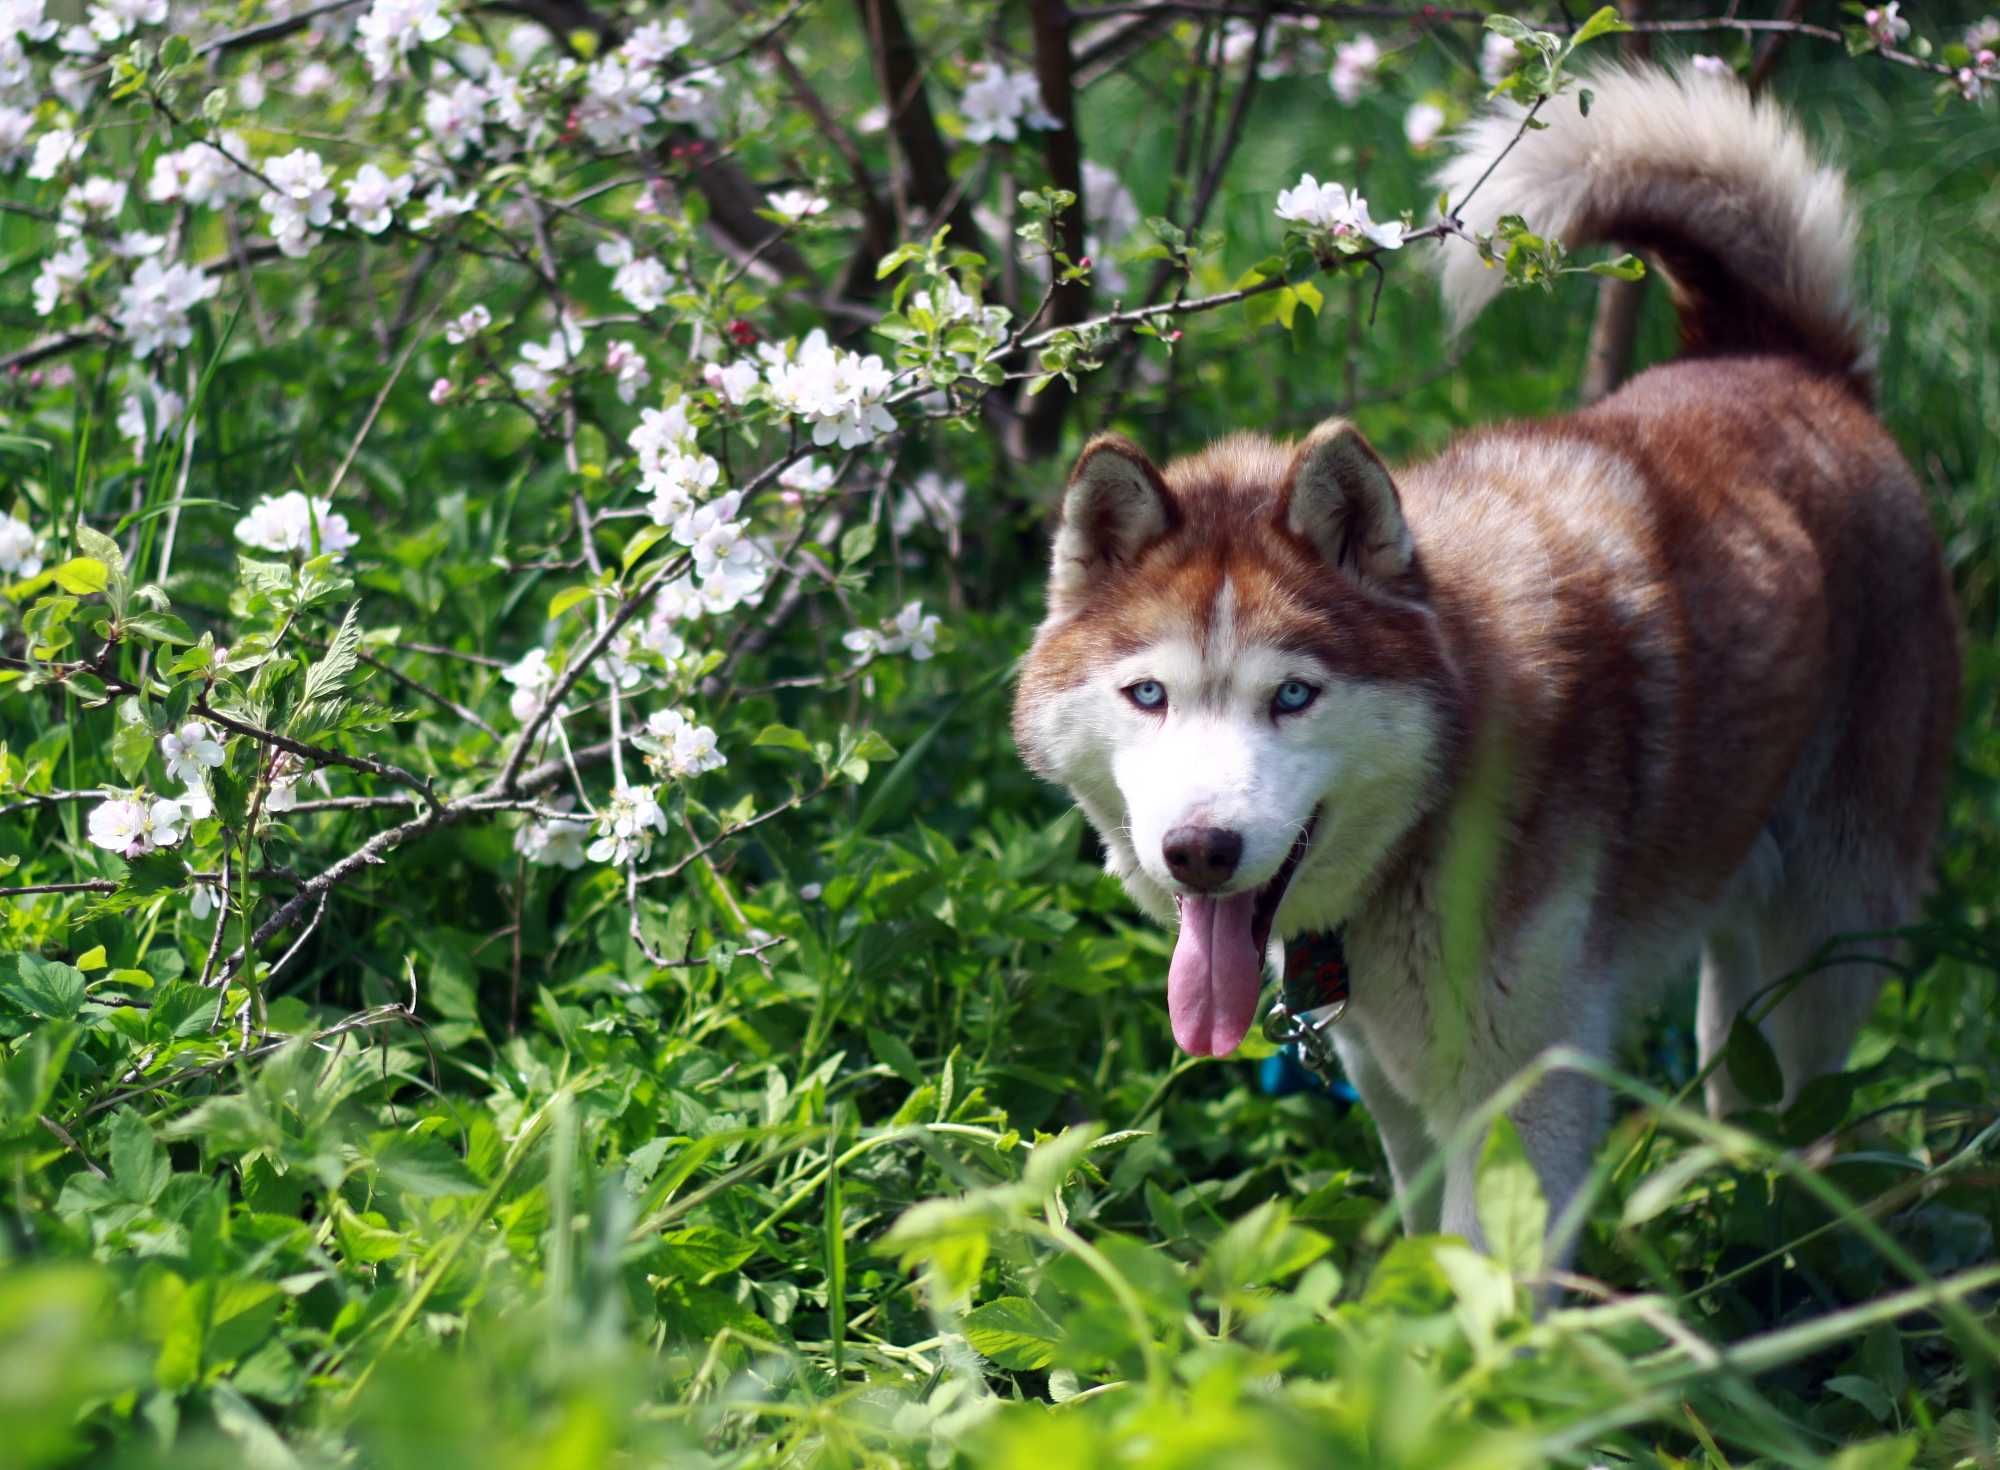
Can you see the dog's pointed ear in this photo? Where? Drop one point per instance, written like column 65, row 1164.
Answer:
column 1115, row 507
column 1339, row 497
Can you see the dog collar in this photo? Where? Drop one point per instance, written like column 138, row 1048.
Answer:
column 1311, row 999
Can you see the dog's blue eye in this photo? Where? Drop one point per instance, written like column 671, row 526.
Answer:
column 1148, row 694
column 1293, row 695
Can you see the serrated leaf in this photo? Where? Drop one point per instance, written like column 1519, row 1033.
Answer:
column 422, row 1164
column 96, row 544
column 872, row 747
column 326, row 677
column 1507, row 1196
column 139, row 1166
column 46, row 988
column 131, row 740
column 1013, row 1333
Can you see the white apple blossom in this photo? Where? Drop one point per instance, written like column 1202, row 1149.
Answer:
column 532, row 676
column 16, row 123
column 314, row 79
column 55, row 150
column 393, row 28
column 372, row 195
column 95, row 200
column 189, row 750
column 205, row 899
column 676, row 482
column 113, row 20
column 1355, row 63
column 661, row 432
column 153, row 309
column 796, row 205
column 911, row 631
column 132, row 826
column 934, row 500
column 467, row 325
column 440, row 205
column 1713, row 66
column 137, row 245
column 840, row 392
column 201, row 174
column 195, row 802
column 643, row 282
column 1422, row 124
column 139, row 424
column 1329, row 207
column 20, row 547
column 553, row 842
column 301, row 200
column 807, row 477
column 656, row 42
column 736, row 382
column 1497, row 57
column 999, row 103
column 285, row 523
column 619, row 102
column 626, row 826
column 59, row 272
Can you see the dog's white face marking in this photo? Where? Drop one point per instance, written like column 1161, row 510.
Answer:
column 1220, row 752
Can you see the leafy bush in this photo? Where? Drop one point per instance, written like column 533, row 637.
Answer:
column 527, row 942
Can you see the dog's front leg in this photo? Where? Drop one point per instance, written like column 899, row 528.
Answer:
column 1561, row 1123
column 1404, row 1137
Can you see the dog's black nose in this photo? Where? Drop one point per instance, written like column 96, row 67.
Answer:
column 1204, row 858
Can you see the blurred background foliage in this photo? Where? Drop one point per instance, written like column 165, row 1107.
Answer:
column 927, row 1184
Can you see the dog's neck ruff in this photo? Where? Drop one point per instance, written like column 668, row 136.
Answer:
column 1312, row 997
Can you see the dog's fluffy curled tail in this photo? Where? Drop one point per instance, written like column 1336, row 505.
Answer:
column 1721, row 192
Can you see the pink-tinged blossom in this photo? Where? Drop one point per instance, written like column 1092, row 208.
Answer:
column 1885, row 24
column 1331, row 208
column 1355, row 63
column 301, row 200
column 60, row 273
column 372, row 196
column 284, row 523
column 627, row 366
column 20, row 547
column 456, row 119
column 467, row 325
column 441, row 391
column 393, row 28
column 1713, row 66
column 1983, row 35
column 153, row 310
column 656, row 42
column 626, row 826
column 690, row 747
column 131, row 826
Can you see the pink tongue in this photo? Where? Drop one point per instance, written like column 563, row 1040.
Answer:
column 1216, row 973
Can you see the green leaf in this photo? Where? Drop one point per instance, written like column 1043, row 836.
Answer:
column 1619, row 268
column 139, row 1166
column 82, row 575
column 643, row 540
column 96, row 544
column 1864, row 1392
column 329, row 676
column 785, row 737
column 568, row 598
column 422, row 1164
column 48, row 988
column 1605, row 22
column 131, row 740
column 1013, row 1333
column 1507, row 1196
column 856, row 542
column 160, row 627
column 1753, row 1066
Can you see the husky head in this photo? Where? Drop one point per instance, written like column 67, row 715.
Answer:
column 1241, row 682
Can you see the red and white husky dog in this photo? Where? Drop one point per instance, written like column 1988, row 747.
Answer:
column 1700, row 631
